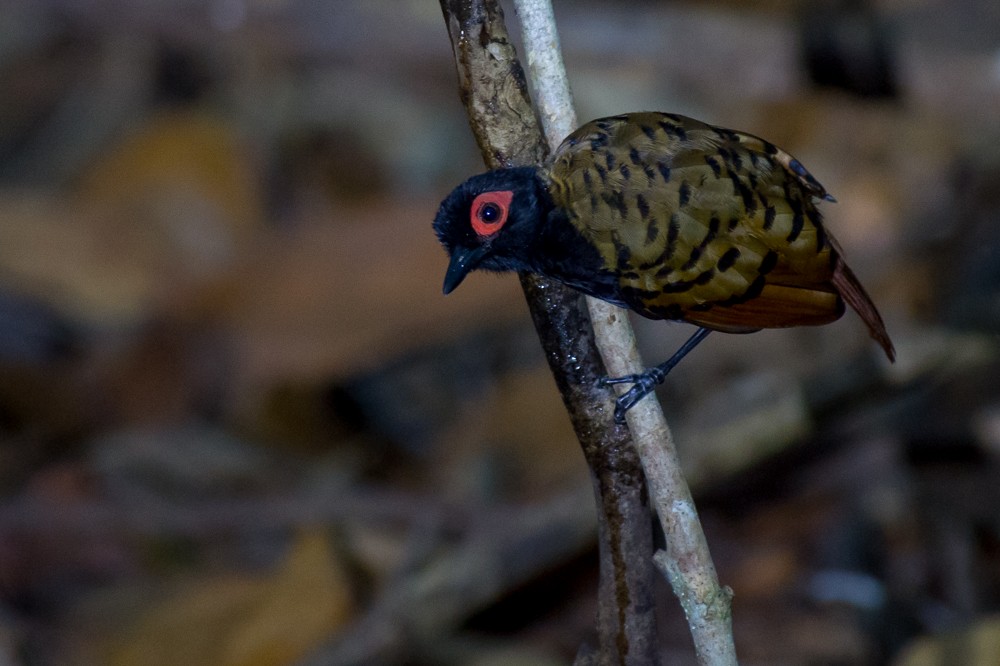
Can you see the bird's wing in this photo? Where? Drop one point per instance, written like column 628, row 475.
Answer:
column 700, row 223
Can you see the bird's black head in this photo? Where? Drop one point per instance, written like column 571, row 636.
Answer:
column 490, row 221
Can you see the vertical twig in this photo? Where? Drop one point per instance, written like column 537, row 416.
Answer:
column 687, row 562
column 494, row 91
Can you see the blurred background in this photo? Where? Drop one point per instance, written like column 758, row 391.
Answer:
column 240, row 425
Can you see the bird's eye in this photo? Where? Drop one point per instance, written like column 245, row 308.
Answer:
column 489, row 212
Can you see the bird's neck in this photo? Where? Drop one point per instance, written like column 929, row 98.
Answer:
column 560, row 252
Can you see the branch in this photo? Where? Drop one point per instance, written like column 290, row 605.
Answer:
column 493, row 89
column 687, row 562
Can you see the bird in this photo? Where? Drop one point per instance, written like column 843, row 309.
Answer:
column 669, row 217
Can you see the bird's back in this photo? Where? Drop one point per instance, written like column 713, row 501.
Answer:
column 703, row 224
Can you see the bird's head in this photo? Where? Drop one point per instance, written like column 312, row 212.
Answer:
column 490, row 221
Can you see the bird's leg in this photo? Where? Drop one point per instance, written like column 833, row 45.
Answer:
column 645, row 382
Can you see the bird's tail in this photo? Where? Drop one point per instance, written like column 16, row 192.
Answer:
column 850, row 289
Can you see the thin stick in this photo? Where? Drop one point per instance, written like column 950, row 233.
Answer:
column 687, row 562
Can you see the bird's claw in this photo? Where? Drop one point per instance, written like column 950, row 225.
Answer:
column 642, row 385
column 627, row 379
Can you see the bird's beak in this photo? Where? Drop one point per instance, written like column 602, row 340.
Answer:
column 463, row 260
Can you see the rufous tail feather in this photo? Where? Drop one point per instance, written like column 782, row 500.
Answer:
column 854, row 294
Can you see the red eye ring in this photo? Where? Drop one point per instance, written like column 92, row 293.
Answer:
column 489, row 211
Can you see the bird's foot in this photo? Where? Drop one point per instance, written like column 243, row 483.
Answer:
column 642, row 385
